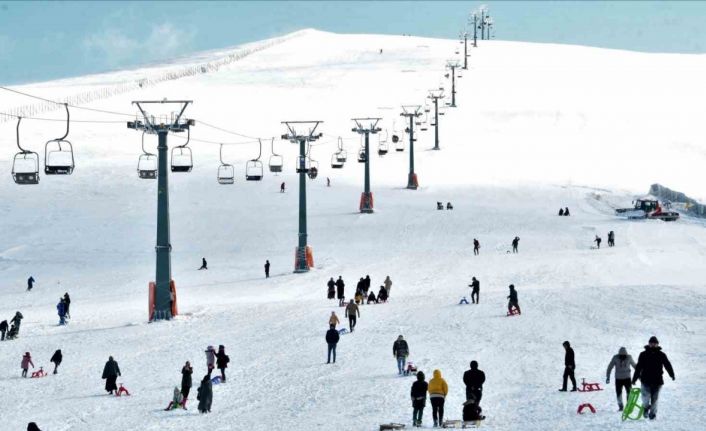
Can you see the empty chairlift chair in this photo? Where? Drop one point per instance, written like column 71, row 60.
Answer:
column 25, row 165
column 59, row 153
column 276, row 161
column 253, row 168
column 382, row 144
column 147, row 163
column 182, row 160
column 226, row 172
column 335, row 162
column 341, row 155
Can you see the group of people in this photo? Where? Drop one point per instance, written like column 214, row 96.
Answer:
column 363, row 294
column 440, row 206
column 63, row 307
column 611, row 240
column 10, row 332
column 564, row 211
column 26, row 362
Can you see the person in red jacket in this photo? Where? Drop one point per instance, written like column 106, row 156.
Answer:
column 26, row 362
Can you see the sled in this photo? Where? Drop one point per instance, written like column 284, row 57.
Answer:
column 513, row 312
column 38, row 373
column 585, row 406
column 343, row 331
column 392, row 426
column 122, row 390
column 216, row 380
column 460, row 424
column 411, row 369
column 463, row 301
column 589, row 387
column 631, row 406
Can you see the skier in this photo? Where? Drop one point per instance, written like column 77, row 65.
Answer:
column 67, row 304
column 56, row 358
column 333, row 320
column 340, row 290
column 475, row 293
column 515, row 243
column 472, row 411
column 267, row 269
column 622, row 363
column 26, row 362
column 16, row 324
column 598, row 241
column 513, row 302
column 205, row 394
column 561, row 211
column 474, row 379
column 649, row 370
column 372, row 298
column 61, row 310
column 569, row 367
column 3, row 330
column 210, row 359
column 30, row 283
column 351, row 311
column 476, row 247
column 204, row 264
column 331, row 289
column 332, row 338
column 222, row 361
column 419, row 399
column 438, row 389
column 388, row 285
column 177, row 400
column 186, row 372
column 382, row 295
column 400, row 350
column 611, row 239
column 111, row 372
column 281, row 187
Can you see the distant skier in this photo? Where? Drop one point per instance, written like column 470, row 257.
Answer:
column 205, row 394
column 351, row 311
column 56, row 358
column 331, row 289
column 186, row 372
column 419, row 399
column 400, row 350
column 332, row 338
column 474, row 379
column 16, row 320
column 622, row 363
column 210, row 359
column 475, row 293
column 476, row 247
column 388, row 285
column 61, row 311
column 3, row 330
column 382, row 295
column 438, row 389
column 67, row 304
column 333, row 320
column 267, row 269
column 566, row 211
column 26, row 362
column 340, row 290
column 515, row 243
column 598, row 241
column 111, row 372
column 281, row 187
column 204, row 264
column 649, row 370
column 222, row 361
column 561, row 211
column 569, row 367
column 512, row 300
column 611, row 239
column 30, row 283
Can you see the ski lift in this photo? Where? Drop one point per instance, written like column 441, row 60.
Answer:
column 313, row 166
column 182, row 161
column 59, row 153
column 341, row 154
column 147, row 163
column 226, row 172
column 399, row 145
column 25, row 166
column 361, row 155
column 253, row 168
column 382, row 144
column 424, row 124
column 335, row 162
column 276, row 161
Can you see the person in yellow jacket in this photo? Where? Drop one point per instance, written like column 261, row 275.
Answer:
column 333, row 320
column 437, row 394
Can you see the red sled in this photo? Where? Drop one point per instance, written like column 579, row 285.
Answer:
column 589, row 387
column 122, row 390
column 585, row 406
column 513, row 312
column 38, row 373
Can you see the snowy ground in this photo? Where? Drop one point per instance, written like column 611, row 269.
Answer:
column 535, row 123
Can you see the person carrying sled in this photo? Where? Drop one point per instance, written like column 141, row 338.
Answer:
column 56, row 358
column 61, row 311
column 351, row 311
column 222, row 361
column 204, row 264
column 205, row 394
column 649, row 370
column 622, row 363
column 333, row 320
column 26, row 362
column 515, row 244
column 388, row 285
column 598, row 241
column 332, row 337
column 30, row 283
column 611, row 239
column 569, row 367
column 186, row 372
column 400, row 350
column 438, row 389
column 267, row 269
column 474, row 379
column 360, row 286
column 476, row 247
column 3, row 330
column 331, row 289
column 111, row 372
column 177, row 401
column 419, row 399
column 340, row 290
column 210, row 359
column 512, row 300
column 475, row 293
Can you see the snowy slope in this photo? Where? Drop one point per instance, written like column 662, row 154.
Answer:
column 535, row 124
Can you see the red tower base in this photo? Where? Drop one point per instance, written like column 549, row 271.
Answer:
column 366, row 202
column 412, row 182
column 303, row 259
column 172, row 290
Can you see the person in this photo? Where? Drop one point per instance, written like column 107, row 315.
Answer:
column 438, row 389
column 328, row 182
column 449, row 206
column 372, row 298
column 3, row 330
column 67, row 304
column 569, row 367
column 476, row 247
column 16, row 323
column 475, row 293
column 111, row 372
column 332, row 338
column 400, row 350
column 205, row 394
column 649, row 370
column 598, row 241
column 380, row 50
column 267, row 269
column 561, row 211
column 26, row 362
column 222, row 361
column 419, row 399
column 30, row 283
column 331, row 289
column 333, row 320
column 281, row 187
column 204, row 264
column 61, row 310
column 513, row 302
column 439, row 205
column 32, row 426
column 515, row 243
column 210, row 359
column 351, row 310
column 474, row 379
column 366, row 285
column 359, row 299
column 360, row 286
column 622, row 363
column 56, row 358
column 382, row 295
column 566, row 211
column 611, row 239
column 472, row 411
column 340, row 290
column 388, row 285
column 12, row 333
column 177, row 400
column 186, row 372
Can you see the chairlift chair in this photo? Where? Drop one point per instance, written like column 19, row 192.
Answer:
column 276, row 161
column 361, row 155
column 253, row 168
column 313, row 170
column 399, row 145
column 341, row 155
column 226, row 171
column 25, row 165
column 382, row 144
column 59, row 153
column 182, row 160
column 335, row 162
column 147, row 163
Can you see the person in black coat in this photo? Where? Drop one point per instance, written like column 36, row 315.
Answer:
column 419, row 399
column 3, row 330
column 513, row 301
column 332, row 338
column 186, row 373
column 649, row 370
column 56, row 358
column 204, row 264
column 205, row 395
column 340, row 290
column 569, row 367
column 561, row 211
column 222, row 361
column 475, row 293
column 382, row 295
column 566, row 211
column 515, row 244
column 474, row 379
column 267, row 269
column 32, row 427
column 67, row 305
column 331, row 289
column 472, row 411
column 111, row 372
column 372, row 298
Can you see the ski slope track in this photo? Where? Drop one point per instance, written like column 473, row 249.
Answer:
column 538, row 127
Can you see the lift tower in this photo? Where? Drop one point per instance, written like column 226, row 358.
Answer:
column 366, row 127
column 411, row 112
column 435, row 95
column 453, row 65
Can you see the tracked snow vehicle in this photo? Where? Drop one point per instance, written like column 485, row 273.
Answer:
column 647, row 209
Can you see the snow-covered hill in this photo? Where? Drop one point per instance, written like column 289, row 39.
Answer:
column 538, row 127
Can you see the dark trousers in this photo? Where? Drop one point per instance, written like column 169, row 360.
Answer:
column 514, row 249
column 56, row 366
column 476, row 251
column 3, row 335
column 185, row 391
column 331, row 349
column 267, row 273
column 650, row 396
column 223, row 374
column 417, row 415
column 437, row 409
column 351, row 322
column 475, row 297
column 476, row 392
column 619, row 385
column 24, row 372
column 569, row 374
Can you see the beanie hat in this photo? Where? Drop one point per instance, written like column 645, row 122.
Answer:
column 654, row 340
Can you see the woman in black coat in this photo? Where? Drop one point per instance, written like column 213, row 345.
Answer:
column 205, row 395
column 222, row 361
column 56, row 359
column 111, row 372
column 186, row 373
